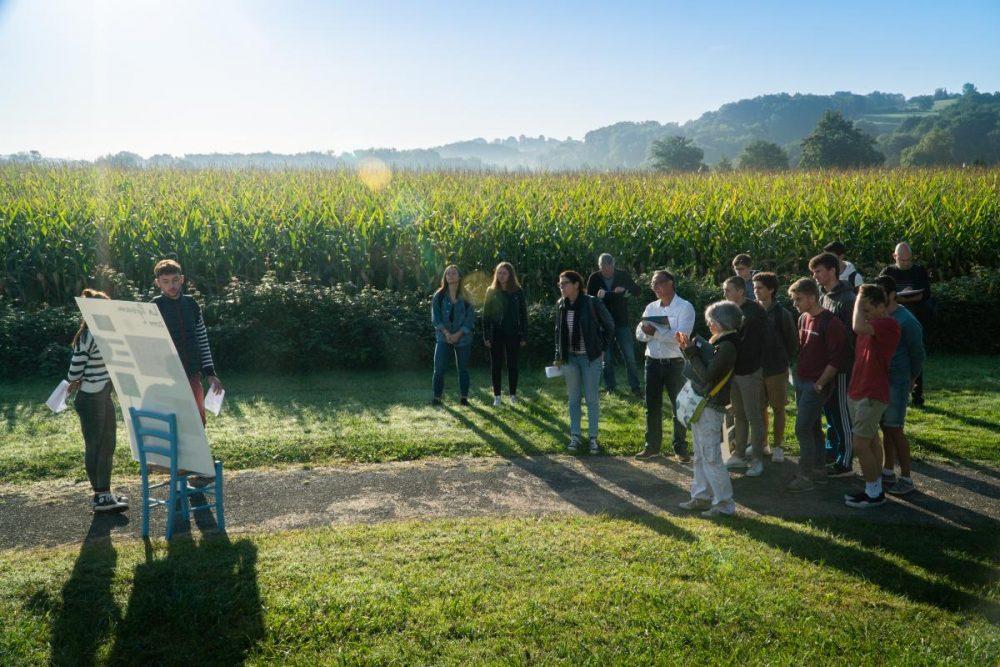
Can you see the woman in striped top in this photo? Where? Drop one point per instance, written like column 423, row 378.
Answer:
column 93, row 404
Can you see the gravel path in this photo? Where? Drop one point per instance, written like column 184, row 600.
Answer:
column 966, row 497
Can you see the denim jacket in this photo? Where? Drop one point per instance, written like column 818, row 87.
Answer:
column 462, row 319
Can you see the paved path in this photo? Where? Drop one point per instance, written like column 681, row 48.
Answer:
column 966, row 497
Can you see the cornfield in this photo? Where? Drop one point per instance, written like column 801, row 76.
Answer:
column 59, row 224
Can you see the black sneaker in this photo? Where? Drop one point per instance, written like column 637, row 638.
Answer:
column 464, row 401
column 647, row 453
column 918, row 402
column 837, row 470
column 683, row 457
column 107, row 502
column 863, row 500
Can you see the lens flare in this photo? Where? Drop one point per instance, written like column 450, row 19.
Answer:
column 374, row 173
column 475, row 283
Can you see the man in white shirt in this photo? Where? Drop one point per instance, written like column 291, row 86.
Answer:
column 848, row 272
column 664, row 361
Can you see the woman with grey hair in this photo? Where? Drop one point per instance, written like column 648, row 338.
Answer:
column 711, row 371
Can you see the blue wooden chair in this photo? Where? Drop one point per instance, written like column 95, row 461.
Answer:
column 177, row 502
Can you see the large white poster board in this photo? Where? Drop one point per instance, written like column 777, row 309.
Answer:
column 148, row 374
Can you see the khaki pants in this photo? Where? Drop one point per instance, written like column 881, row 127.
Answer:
column 776, row 397
column 747, row 397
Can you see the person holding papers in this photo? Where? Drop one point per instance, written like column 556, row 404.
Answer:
column 661, row 320
column 89, row 378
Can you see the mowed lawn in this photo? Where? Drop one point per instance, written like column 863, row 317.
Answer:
column 592, row 590
column 380, row 416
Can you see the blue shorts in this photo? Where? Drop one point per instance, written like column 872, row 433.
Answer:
column 899, row 398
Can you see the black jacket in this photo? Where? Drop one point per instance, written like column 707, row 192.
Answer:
column 781, row 340
column 706, row 376
column 752, row 330
column 617, row 304
column 597, row 332
column 183, row 319
column 495, row 307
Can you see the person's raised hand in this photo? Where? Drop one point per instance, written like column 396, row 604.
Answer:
column 601, row 293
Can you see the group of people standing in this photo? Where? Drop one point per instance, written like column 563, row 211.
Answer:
column 857, row 351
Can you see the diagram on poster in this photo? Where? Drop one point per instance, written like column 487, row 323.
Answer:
column 148, row 375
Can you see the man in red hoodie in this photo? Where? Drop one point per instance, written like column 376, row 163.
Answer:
column 868, row 395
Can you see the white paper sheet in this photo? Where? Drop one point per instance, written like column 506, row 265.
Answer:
column 213, row 401
column 553, row 371
column 57, row 401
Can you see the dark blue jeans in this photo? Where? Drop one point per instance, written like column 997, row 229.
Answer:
column 624, row 341
column 442, row 352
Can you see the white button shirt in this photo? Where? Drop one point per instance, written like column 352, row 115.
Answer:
column 662, row 344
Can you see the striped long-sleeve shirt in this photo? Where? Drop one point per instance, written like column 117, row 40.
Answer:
column 87, row 365
column 201, row 333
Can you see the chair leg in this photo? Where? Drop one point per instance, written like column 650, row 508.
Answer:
column 145, row 506
column 220, row 507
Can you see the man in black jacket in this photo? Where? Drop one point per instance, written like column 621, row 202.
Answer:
column 748, row 380
column 913, row 286
column 182, row 315
column 613, row 287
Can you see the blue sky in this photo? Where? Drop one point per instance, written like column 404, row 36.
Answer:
column 80, row 78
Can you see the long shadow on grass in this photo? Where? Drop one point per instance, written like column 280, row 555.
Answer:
column 576, row 489
column 88, row 612
column 951, row 456
column 199, row 604
column 974, row 422
column 953, row 553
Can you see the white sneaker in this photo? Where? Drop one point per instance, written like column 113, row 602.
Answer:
column 497, row 402
column 695, row 504
column 756, row 469
column 778, row 456
column 748, row 452
column 515, row 399
column 574, row 444
column 718, row 510
column 736, row 462
column 594, row 447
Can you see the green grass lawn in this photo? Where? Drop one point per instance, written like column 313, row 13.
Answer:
column 584, row 590
column 380, row 416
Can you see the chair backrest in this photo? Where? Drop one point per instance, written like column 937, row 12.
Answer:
column 165, row 429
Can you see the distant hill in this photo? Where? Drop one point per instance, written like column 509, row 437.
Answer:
column 962, row 127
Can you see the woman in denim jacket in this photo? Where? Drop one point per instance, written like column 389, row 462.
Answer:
column 454, row 318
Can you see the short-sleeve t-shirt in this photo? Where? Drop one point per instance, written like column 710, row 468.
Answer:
column 870, row 377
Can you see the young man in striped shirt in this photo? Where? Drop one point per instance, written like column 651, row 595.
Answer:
column 182, row 315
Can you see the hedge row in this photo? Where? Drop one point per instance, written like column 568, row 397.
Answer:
column 301, row 326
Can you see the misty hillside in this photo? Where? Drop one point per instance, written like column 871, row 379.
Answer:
column 938, row 128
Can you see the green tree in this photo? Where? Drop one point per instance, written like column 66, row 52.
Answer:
column 763, row 155
column 935, row 148
column 724, row 165
column 676, row 154
column 837, row 144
